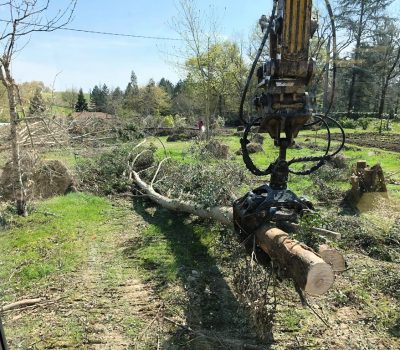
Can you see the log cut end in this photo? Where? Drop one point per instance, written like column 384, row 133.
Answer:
column 333, row 257
column 320, row 279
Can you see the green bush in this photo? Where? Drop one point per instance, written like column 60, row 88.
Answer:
column 348, row 123
column 107, row 173
column 168, row 121
column 364, row 123
column 207, row 184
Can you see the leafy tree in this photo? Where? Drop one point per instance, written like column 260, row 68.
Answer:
column 115, row 100
column 37, row 104
column 81, row 104
column 134, row 83
column 359, row 17
column 131, row 92
column 69, row 97
column 222, row 71
column 153, row 100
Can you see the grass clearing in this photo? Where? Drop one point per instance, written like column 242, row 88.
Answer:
column 52, row 240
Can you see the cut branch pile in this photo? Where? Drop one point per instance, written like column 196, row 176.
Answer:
column 83, row 128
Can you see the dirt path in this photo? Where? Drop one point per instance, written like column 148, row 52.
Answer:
column 103, row 305
column 389, row 142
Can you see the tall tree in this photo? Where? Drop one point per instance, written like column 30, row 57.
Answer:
column 359, row 17
column 198, row 38
column 387, row 39
column 226, row 74
column 69, row 97
column 25, row 17
column 153, row 100
column 37, row 104
column 99, row 98
column 167, row 86
column 81, row 104
column 131, row 93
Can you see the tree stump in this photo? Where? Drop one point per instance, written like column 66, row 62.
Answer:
column 365, row 179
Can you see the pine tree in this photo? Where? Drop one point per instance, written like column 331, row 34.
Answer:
column 36, row 103
column 81, row 105
column 134, row 83
column 99, row 97
column 167, row 86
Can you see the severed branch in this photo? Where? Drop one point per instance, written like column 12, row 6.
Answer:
column 157, row 171
column 223, row 215
column 20, row 304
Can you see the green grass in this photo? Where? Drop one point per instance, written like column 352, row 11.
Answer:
column 180, row 151
column 169, row 244
column 53, row 239
column 67, row 156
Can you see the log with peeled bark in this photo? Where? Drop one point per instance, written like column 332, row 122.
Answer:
column 299, row 262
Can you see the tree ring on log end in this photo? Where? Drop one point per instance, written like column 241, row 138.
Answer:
column 319, row 279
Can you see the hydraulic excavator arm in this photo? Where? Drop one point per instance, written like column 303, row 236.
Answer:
column 285, row 105
column 284, row 109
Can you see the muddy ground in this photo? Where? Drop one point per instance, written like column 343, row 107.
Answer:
column 389, row 142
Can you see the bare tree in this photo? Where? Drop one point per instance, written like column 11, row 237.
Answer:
column 198, row 37
column 25, row 17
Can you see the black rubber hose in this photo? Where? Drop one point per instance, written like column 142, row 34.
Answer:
column 321, row 159
column 246, row 156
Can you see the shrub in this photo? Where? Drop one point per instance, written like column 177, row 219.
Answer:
column 168, row 121
column 107, row 173
column 364, row 123
column 348, row 123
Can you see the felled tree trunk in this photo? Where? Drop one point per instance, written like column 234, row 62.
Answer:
column 310, row 272
column 299, row 262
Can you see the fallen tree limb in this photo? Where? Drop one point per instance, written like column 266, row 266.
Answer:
column 221, row 214
column 328, row 234
column 20, row 304
column 300, row 263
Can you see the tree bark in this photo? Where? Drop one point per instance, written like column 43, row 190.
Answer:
column 19, row 191
column 310, row 272
column 356, row 57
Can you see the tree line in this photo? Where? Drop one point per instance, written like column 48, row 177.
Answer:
column 358, row 68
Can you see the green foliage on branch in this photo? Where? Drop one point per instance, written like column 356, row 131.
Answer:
column 203, row 183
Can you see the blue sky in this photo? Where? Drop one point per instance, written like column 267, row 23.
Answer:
column 83, row 60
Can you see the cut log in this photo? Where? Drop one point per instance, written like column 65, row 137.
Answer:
column 310, row 272
column 332, row 257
